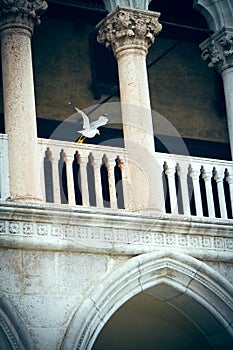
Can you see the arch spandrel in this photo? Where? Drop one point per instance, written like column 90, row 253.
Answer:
column 218, row 14
column 178, row 279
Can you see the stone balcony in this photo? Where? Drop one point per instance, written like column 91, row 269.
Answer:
column 195, row 218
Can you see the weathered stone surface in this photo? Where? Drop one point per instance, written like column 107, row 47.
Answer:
column 78, row 273
column 11, row 271
column 130, row 33
column 17, row 20
column 48, row 311
column 126, row 27
column 21, row 13
column 218, row 50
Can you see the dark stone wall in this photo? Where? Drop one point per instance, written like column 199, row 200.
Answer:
column 183, row 89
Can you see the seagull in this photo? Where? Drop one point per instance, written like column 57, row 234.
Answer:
column 89, row 129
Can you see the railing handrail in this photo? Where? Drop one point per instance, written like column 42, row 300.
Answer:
column 195, row 159
column 82, row 146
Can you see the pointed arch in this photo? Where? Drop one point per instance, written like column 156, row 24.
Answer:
column 218, row 14
column 191, row 286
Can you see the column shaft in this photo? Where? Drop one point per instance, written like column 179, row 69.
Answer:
column 20, row 115
column 130, row 33
column 218, row 52
column 227, row 76
column 135, row 100
column 17, row 20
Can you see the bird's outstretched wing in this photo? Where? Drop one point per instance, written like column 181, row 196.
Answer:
column 99, row 122
column 86, row 123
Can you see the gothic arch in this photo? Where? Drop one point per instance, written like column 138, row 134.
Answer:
column 13, row 334
column 188, row 284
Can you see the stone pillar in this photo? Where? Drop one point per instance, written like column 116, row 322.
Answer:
column 130, row 32
column 17, row 20
column 218, row 52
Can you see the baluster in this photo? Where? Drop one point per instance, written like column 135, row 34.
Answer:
column 184, row 188
column 195, row 173
column 55, row 176
column 218, row 176
column 170, row 172
column 42, row 173
column 207, row 175
column 4, row 168
column 111, row 180
column 70, row 179
column 84, row 183
column 229, row 179
column 98, row 187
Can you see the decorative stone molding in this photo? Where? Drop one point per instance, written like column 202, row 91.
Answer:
column 21, row 13
column 218, row 50
column 119, row 235
column 129, row 28
column 13, row 326
column 110, row 5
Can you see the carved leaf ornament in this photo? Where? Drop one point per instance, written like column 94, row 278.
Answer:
column 219, row 52
column 128, row 27
column 28, row 9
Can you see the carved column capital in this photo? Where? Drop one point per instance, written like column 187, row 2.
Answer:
column 218, row 50
column 21, row 13
column 127, row 28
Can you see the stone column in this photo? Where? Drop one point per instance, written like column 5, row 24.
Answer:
column 17, row 20
column 218, row 52
column 130, row 32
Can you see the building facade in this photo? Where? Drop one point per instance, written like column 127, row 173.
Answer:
column 125, row 240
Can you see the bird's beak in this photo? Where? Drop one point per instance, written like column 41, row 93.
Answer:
column 98, row 133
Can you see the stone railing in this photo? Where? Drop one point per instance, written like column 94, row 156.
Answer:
column 97, row 175
column 82, row 174
column 196, row 186
column 4, row 168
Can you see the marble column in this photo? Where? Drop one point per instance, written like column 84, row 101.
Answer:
column 218, row 52
column 129, row 33
column 17, row 20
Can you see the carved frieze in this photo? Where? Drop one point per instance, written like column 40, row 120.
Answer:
column 125, row 28
column 101, row 237
column 218, row 50
column 21, row 13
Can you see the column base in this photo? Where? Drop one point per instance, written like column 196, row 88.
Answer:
column 24, row 199
column 150, row 211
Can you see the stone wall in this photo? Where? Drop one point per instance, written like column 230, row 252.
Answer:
column 43, row 290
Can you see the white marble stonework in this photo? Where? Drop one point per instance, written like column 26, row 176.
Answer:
column 130, row 33
column 108, row 231
column 88, row 262
column 17, row 21
column 65, row 269
column 218, row 52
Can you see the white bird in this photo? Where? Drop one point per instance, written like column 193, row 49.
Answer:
column 89, row 129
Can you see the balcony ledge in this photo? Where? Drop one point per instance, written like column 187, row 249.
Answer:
column 107, row 231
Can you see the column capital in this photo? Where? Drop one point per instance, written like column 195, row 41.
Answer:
column 127, row 28
column 21, row 13
column 218, row 50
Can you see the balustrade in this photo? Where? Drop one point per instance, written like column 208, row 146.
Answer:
column 205, row 185
column 81, row 174
column 93, row 175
